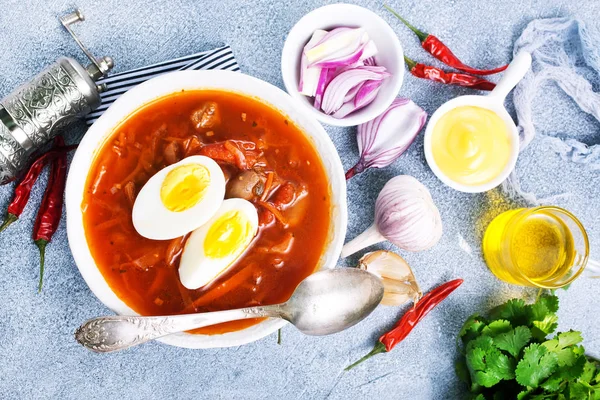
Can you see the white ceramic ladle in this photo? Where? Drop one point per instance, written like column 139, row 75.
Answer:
column 494, row 101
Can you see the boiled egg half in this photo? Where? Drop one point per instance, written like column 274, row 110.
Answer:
column 215, row 246
column 179, row 198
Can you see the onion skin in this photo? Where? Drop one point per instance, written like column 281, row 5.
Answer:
column 382, row 140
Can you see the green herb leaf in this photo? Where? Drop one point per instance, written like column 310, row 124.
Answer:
column 541, row 329
column 514, row 340
column 472, row 328
column 569, row 338
column 578, row 391
column 483, row 342
column 575, row 370
column 551, row 302
column 513, row 310
column 552, row 384
column 476, row 359
column 542, row 316
column 462, row 371
column 536, row 365
column 563, row 345
column 498, row 367
column 589, row 372
column 487, row 364
column 496, row 327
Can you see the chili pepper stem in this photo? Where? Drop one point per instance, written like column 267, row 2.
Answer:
column 10, row 218
column 420, row 34
column 410, row 63
column 41, row 244
column 379, row 348
column 279, row 336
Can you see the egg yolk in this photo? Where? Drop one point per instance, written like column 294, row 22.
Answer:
column 471, row 145
column 228, row 235
column 184, row 187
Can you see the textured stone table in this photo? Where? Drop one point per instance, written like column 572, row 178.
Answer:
column 38, row 355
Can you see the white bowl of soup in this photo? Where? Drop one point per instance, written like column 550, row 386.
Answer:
column 163, row 121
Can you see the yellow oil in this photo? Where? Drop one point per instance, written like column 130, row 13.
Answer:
column 531, row 249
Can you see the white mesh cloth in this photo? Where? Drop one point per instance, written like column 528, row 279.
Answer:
column 563, row 51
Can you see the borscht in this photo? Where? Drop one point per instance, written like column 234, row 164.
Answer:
column 266, row 160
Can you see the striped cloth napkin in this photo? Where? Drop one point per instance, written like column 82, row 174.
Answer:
column 117, row 84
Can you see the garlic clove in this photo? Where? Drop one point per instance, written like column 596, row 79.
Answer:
column 396, row 293
column 386, row 264
column 399, row 282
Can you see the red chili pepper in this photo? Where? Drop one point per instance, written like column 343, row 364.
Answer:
column 410, row 319
column 50, row 211
column 450, row 78
column 439, row 50
column 23, row 188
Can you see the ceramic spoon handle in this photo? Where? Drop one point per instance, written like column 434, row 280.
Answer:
column 118, row 332
column 514, row 73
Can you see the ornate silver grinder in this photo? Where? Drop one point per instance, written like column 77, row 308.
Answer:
column 34, row 113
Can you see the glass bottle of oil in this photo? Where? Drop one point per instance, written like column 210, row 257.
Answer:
column 542, row 247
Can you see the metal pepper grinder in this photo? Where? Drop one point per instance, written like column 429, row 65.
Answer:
column 35, row 112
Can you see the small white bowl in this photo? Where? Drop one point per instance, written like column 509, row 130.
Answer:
column 493, row 102
column 196, row 80
column 390, row 55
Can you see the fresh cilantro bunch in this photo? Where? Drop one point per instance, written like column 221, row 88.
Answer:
column 507, row 355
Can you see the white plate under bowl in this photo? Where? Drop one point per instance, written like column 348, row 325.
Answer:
column 164, row 85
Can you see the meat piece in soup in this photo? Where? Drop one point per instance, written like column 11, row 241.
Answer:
column 207, row 116
column 267, row 161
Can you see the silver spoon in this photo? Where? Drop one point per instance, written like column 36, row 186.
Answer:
column 324, row 303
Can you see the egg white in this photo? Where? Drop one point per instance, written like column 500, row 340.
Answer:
column 153, row 220
column 195, row 268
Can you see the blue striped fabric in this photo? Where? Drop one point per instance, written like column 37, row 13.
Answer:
column 117, row 84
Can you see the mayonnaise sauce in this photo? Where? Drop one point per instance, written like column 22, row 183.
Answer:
column 471, row 145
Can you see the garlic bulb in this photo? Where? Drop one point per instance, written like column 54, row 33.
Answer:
column 405, row 215
column 399, row 282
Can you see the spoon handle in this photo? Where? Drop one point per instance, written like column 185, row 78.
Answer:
column 118, row 332
column 516, row 70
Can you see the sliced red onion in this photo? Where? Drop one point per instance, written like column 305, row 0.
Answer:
column 364, row 51
column 369, row 61
column 309, row 76
column 340, row 47
column 325, row 77
column 335, row 32
column 346, row 109
column 338, row 68
column 350, row 106
column 352, row 93
column 367, row 93
column 369, row 51
column 336, row 91
column 382, row 140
